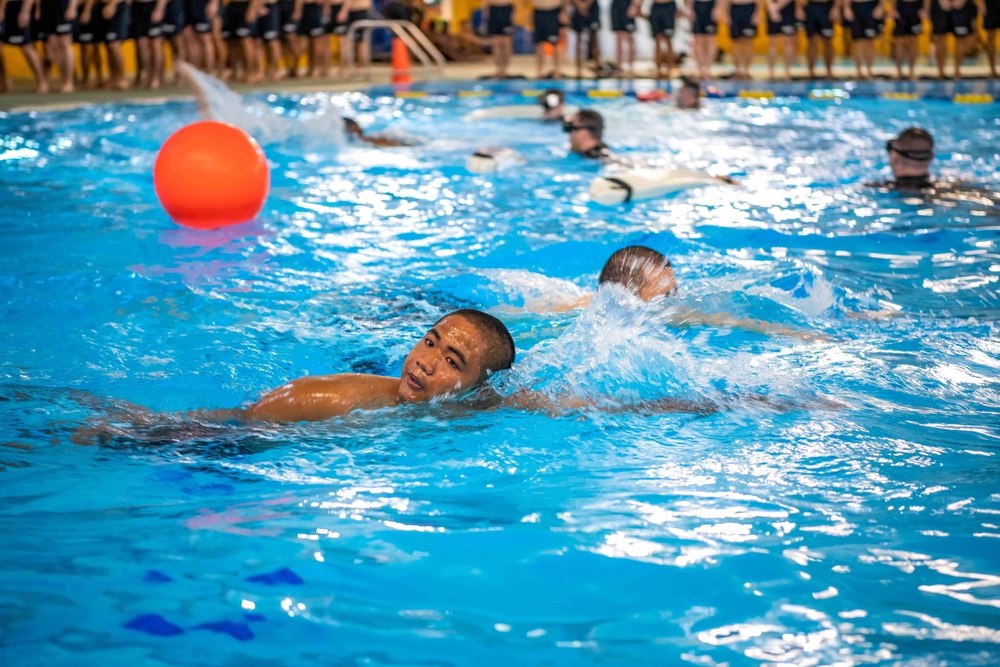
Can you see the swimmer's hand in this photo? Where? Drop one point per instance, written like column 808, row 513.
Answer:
column 728, row 180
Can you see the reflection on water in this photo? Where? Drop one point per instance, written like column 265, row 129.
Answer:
column 859, row 535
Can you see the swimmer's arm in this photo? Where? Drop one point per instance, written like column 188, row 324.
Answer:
column 542, row 307
column 686, row 318
column 316, row 398
column 533, row 401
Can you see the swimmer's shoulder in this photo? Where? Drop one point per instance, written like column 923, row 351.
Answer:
column 318, row 397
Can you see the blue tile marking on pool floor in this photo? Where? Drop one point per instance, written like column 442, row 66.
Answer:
column 276, row 578
column 239, row 631
column 154, row 624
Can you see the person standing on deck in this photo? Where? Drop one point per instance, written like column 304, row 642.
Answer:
column 783, row 19
column 550, row 17
column 703, row 29
column 742, row 17
column 908, row 17
column 867, row 19
column 819, row 18
column 498, row 17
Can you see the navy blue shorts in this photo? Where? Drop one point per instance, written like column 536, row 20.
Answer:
column 703, row 22
column 269, row 25
column 14, row 35
column 908, row 24
column 312, row 23
column 818, row 21
column 865, row 25
column 787, row 25
column 142, row 21
column 620, row 20
column 741, row 23
column 501, row 20
column 590, row 21
column 991, row 20
column 53, row 21
column 197, row 16
column 286, row 8
column 174, row 18
column 959, row 22
column 547, row 26
column 662, row 18
column 87, row 33
column 115, row 29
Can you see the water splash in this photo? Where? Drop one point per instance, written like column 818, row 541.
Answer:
column 218, row 102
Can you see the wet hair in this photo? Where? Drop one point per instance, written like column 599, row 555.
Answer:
column 591, row 120
column 692, row 87
column 499, row 354
column 351, row 126
column 914, row 143
column 551, row 98
column 628, row 266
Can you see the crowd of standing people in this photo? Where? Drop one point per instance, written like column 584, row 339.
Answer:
column 244, row 40
column 862, row 22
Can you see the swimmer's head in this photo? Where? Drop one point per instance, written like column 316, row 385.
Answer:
column 641, row 270
column 585, row 129
column 689, row 94
column 457, row 354
column 552, row 101
column 352, row 128
column 910, row 153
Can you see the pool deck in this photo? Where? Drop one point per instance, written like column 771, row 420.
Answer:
column 977, row 83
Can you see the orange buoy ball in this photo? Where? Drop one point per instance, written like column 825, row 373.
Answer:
column 211, row 174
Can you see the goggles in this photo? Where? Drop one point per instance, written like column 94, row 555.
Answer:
column 916, row 155
column 568, row 126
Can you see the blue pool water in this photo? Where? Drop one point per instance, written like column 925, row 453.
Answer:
column 861, row 535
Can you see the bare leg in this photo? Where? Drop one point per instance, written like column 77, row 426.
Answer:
column 940, row 53
column 962, row 45
column 155, row 62
column 5, row 84
column 116, row 66
column 772, row 55
column 35, row 63
column 812, row 55
column 991, row 51
column 790, row 44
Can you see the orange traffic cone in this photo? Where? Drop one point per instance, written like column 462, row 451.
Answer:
column 400, row 62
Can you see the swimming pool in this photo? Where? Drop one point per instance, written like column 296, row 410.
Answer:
column 862, row 535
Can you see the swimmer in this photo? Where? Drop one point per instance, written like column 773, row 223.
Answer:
column 649, row 275
column 553, row 103
column 586, row 132
column 910, row 156
column 453, row 358
column 354, row 131
column 689, row 94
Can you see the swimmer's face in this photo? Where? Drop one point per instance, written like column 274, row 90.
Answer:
column 658, row 282
column 580, row 138
column 446, row 361
column 687, row 98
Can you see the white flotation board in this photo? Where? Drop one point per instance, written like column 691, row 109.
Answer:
column 494, row 158
column 646, row 183
column 515, row 111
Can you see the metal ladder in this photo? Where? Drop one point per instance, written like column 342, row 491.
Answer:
column 414, row 39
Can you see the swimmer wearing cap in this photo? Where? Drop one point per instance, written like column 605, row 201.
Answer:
column 586, row 131
column 553, row 103
column 910, row 156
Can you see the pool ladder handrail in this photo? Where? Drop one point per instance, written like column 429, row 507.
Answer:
column 412, row 36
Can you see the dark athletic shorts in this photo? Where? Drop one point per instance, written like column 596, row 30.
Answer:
column 741, row 25
column 787, row 25
column 142, row 21
column 197, row 16
column 312, row 23
column 908, row 24
column 234, row 21
column 285, row 10
column 115, row 29
column 501, row 20
column 818, row 21
column 959, row 22
column 14, row 35
column 86, row 33
column 547, row 26
column 269, row 25
column 662, row 18
column 53, row 21
column 703, row 23
column 620, row 21
column 991, row 20
column 174, row 18
column 590, row 21
column 865, row 25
